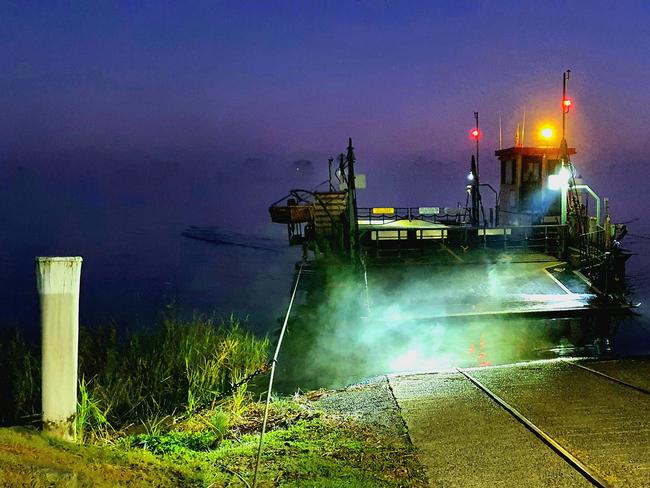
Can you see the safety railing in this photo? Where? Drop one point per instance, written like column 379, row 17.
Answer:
column 543, row 238
column 546, row 238
column 383, row 215
column 592, row 245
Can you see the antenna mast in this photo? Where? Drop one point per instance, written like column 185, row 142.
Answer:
column 500, row 134
column 523, row 127
column 478, row 172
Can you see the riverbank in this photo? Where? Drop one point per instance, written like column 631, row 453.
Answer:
column 310, row 442
column 177, row 404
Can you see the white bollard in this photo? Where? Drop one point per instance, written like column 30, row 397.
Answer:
column 57, row 281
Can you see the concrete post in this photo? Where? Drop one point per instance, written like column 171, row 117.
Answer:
column 57, row 280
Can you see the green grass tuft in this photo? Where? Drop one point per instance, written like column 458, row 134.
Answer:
column 177, row 368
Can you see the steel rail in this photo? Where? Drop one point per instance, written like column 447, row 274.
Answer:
column 573, row 461
column 273, row 363
column 611, row 378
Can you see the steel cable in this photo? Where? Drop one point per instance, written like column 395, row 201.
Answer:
column 273, row 363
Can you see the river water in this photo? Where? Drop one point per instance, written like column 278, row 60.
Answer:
column 137, row 262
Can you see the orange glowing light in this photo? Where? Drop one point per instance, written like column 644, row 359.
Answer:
column 566, row 104
column 475, row 133
column 546, row 132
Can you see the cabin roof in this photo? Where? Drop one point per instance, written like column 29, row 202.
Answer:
column 552, row 152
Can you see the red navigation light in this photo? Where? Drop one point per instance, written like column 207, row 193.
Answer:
column 475, row 133
column 566, row 104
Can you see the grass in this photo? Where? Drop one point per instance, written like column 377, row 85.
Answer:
column 320, row 452
column 303, row 448
column 171, row 406
column 28, row 458
column 175, row 369
column 20, row 387
column 155, row 375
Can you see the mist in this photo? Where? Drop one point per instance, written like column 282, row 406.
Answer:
column 430, row 317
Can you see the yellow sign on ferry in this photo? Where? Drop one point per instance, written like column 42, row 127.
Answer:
column 383, row 210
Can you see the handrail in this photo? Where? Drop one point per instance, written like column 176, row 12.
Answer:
column 410, row 213
column 295, row 193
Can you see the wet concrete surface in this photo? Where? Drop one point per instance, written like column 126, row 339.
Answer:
column 604, row 424
column 465, row 440
column 634, row 371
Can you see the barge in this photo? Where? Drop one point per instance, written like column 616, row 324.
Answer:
column 547, row 246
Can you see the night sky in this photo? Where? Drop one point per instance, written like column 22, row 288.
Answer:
column 118, row 112
column 291, row 80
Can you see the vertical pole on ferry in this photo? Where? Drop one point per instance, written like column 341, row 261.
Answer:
column 329, row 168
column 564, row 149
column 478, row 168
column 476, row 134
column 352, row 205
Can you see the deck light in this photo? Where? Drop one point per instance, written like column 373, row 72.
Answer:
column 566, row 105
column 470, row 176
column 475, row 133
column 560, row 181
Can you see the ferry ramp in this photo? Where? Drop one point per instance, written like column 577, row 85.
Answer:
column 537, row 424
column 477, row 284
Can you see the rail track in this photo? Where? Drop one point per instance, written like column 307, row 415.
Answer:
column 587, row 472
column 610, row 378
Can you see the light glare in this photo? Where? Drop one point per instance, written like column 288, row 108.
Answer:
column 559, row 181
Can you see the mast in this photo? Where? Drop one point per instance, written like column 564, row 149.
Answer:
column 500, row 134
column 329, row 168
column 477, row 138
column 476, row 183
column 353, row 220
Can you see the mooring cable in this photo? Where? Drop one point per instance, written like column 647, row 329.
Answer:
column 365, row 280
column 273, row 363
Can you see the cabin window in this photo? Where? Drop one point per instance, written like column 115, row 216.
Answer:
column 508, row 172
column 532, row 172
column 513, row 199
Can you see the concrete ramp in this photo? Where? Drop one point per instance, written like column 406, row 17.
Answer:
column 467, row 438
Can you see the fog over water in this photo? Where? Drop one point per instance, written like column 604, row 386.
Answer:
column 125, row 214
column 123, row 124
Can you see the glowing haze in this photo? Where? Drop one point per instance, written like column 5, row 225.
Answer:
column 120, row 115
column 285, row 80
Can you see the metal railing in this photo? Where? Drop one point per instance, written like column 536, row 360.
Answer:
column 593, row 245
column 546, row 238
column 457, row 215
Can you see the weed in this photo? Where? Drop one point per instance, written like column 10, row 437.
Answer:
column 91, row 418
column 20, row 386
column 220, row 422
column 177, row 366
column 174, row 368
column 176, row 441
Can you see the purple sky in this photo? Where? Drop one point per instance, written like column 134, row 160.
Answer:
column 280, row 81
